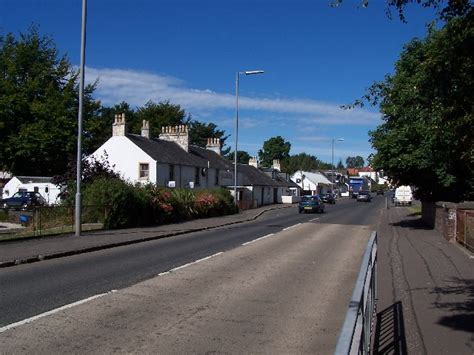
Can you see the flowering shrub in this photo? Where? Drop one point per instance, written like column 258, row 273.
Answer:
column 138, row 205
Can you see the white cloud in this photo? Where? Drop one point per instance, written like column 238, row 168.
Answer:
column 136, row 88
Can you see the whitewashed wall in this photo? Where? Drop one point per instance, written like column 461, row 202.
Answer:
column 126, row 156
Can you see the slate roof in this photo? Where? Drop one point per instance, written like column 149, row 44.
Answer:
column 215, row 160
column 34, row 179
column 251, row 176
column 167, row 152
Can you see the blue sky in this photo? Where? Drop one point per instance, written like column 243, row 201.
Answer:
column 315, row 58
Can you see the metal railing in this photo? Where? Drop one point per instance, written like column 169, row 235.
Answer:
column 356, row 333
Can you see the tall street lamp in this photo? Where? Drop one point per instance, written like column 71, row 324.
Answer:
column 237, row 79
column 79, row 121
column 332, row 156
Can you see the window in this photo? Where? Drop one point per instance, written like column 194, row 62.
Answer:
column 171, row 173
column 144, row 171
column 197, row 176
column 216, row 181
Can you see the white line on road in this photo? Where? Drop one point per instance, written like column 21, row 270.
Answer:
column 192, row 263
column 293, row 226
column 53, row 311
column 314, row 219
column 255, row 240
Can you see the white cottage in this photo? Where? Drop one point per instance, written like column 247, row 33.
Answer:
column 312, row 183
column 168, row 161
column 41, row 184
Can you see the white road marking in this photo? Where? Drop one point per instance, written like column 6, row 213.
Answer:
column 53, row 311
column 293, row 226
column 255, row 240
column 314, row 219
column 192, row 263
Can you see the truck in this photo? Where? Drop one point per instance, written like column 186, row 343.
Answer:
column 403, row 196
column 356, row 184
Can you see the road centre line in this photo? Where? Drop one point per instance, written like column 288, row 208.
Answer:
column 191, row 263
column 295, row 225
column 53, row 311
column 255, row 240
column 314, row 219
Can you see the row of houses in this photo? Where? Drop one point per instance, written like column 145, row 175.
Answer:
column 169, row 160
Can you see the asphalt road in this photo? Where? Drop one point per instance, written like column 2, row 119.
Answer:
column 28, row 290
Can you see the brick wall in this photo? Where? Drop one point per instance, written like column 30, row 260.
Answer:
column 442, row 216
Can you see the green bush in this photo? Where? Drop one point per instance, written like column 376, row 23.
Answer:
column 127, row 205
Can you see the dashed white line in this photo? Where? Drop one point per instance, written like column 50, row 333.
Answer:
column 293, row 226
column 255, row 240
column 314, row 219
column 53, row 311
column 189, row 264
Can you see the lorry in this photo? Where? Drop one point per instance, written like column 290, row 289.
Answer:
column 356, row 184
column 403, row 196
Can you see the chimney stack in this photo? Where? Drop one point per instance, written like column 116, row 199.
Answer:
column 178, row 134
column 253, row 162
column 119, row 127
column 146, row 129
column 276, row 165
column 214, row 144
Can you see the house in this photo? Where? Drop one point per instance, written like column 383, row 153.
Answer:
column 292, row 190
column 170, row 161
column 375, row 176
column 312, row 183
column 41, row 184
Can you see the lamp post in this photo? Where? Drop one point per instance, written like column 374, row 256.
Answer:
column 237, row 79
column 79, row 121
column 332, row 156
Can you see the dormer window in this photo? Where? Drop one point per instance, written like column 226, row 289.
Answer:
column 144, row 171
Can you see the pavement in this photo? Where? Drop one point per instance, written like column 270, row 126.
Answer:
column 425, row 289
column 31, row 250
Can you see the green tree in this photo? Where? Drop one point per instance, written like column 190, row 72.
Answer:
column 427, row 138
column 274, row 148
column 446, row 10
column 242, row 156
column 340, row 166
column 38, row 105
column 355, row 162
column 159, row 115
column 302, row 161
column 199, row 132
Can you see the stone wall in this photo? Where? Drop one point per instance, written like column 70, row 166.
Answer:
column 442, row 216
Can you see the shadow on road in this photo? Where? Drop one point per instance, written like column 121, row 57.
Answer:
column 464, row 317
column 390, row 331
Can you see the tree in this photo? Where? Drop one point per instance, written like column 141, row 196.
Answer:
column 302, row 161
column 274, row 148
column 242, row 157
column 355, row 162
column 38, row 106
column 427, row 138
column 159, row 115
column 446, row 10
column 340, row 166
column 199, row 132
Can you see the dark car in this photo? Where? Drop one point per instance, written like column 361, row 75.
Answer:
column 311, row 204
column 364, row 196
column 329, row 198
column 380, row 192
column 23, row 200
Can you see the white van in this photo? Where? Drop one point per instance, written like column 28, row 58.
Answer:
column 403, row 196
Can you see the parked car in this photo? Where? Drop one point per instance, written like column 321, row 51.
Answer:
column 364, row 196
column 329, row 198
column 311, row 204
column 23, row 200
